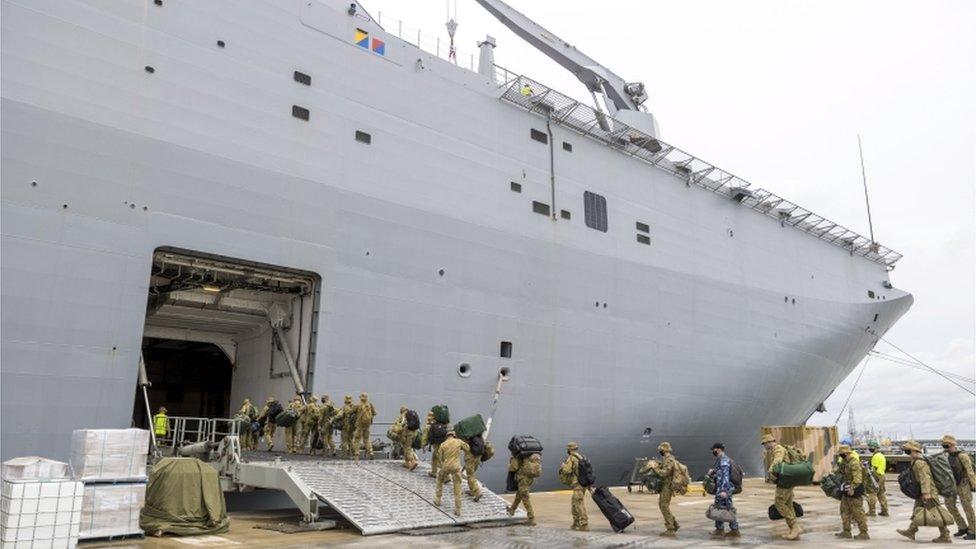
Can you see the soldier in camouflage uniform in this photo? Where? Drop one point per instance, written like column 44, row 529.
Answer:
column 248, row 414
column 471, row 463
column 878, row 469
column 450, row 456
column 962, row 472
column 327, row 413
column 364, row 420
column 291, row 432
column 569, row 475
column 426, row 442
column 666, row 470
column 526, row 471
column 930, row 495
column 852, row 498
column 347, row 424
column 776, row 454
column 308, row 423
column 405, row 439
column 268, row 422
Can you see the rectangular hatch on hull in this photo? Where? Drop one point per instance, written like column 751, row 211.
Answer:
column 220, row 330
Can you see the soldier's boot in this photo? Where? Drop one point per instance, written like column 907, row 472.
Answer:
column 530, row 522
column 794, row 533
column 944, row 536
column 862, row 535
column 871, row 513
column 718, row 533
column 733, row 534
column 457, row 511
column 477, row 497
column 668, row 534
column 908, row 533
column 510, row 510
column 970, row 536
column 883, row 513
column 845, row 534
column 960, row 533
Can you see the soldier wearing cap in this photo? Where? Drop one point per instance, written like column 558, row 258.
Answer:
column 569, row 474
column 267, row 421
column 449, row 455
column 929, row 500
column 365, row 413
column 776, row 454
column 666, row 470
column 962, row 471
column 852, row 497
column 346, row 420
column 878, row 467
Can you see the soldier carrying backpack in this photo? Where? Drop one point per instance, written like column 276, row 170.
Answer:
column 927, row 511
column 674, row 478
column 964, row 478
column 523, row 471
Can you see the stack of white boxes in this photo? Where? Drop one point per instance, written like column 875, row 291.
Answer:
column 39, row 505
column 112, row 464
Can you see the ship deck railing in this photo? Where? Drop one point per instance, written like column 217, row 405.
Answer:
column 563, row 110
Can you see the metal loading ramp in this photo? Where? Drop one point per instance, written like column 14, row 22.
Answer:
column 379, row 497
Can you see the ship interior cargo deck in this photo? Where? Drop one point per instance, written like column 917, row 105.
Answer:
column 219, row 330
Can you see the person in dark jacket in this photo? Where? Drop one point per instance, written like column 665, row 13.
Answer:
column 722, row 472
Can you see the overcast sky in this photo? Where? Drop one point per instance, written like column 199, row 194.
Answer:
column 776, row 91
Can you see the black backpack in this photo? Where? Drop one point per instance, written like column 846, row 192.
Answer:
column 274, row 410
column 735, row 475
column 477, row 445
column 584, row 473
column 909, row 484
column 956, row 466
column 413, row 420
column 438, row 433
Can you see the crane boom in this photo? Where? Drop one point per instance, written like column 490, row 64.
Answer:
column 596, row 77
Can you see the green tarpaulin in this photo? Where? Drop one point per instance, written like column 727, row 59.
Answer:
column 183, row 498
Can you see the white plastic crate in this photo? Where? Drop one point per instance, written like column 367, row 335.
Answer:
column 40, row 513
column 112, row 510
column 34, row 468
column 109, row 454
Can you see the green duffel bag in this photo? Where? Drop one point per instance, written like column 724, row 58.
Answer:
column 708, row 483
column 441, row 413
column 830, row 484
column 791, row 475
column 652, row 481
column 286, row 418
column 470, row 426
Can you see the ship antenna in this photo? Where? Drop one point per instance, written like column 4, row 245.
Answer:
column 867, row 202
column 451, row 29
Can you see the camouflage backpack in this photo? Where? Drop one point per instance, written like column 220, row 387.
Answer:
column 681, row 478
column 532, row 466
column 794, row 454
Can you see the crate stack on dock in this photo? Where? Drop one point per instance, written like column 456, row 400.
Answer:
column 112, row 465
column 40, row 505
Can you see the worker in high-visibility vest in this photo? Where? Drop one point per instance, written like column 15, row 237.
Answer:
column 161, row 423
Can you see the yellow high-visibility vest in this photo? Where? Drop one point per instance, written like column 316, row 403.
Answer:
column 160, row 424
column 879, row 463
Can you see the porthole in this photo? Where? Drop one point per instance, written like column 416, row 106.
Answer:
column 464, row 369
column 505, row 372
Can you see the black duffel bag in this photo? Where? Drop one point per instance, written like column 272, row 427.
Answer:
column 774, row 512
column 524, row 445
column 908, row 484
column 477, row 445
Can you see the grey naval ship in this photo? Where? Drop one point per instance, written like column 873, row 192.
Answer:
column 259, row 198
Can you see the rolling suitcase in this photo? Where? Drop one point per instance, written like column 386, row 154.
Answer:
column 618, row 515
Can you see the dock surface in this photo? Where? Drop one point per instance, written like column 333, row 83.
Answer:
column 821, row 520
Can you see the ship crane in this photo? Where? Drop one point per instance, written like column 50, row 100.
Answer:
column 624, row 99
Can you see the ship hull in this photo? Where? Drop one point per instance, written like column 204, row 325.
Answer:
column 427, row 259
